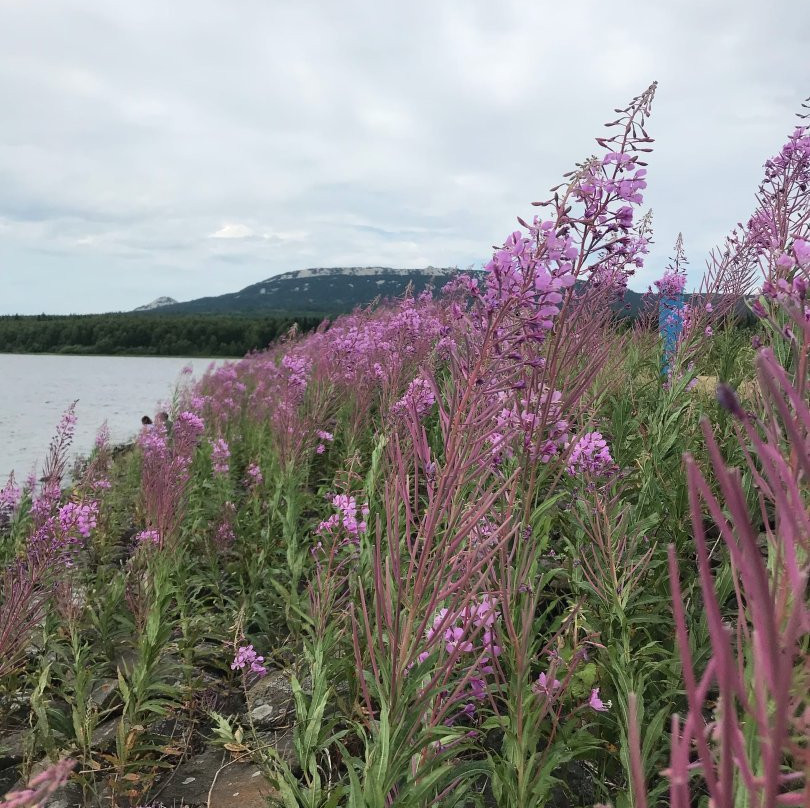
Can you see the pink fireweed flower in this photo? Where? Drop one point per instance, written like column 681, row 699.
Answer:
column 465, row 624
column 328, row 437
column 40, row 787
column 10, row 496
column 671, row 283
column 147, row 537
column 784, row 261
column 247, row 656
column 298, row 369
column 220, row 455
column 596, row 703
column 801, row 249
column 189, row 422
column 418, row 398
column 81, row 518
column 462, row 637
column 546, row 686
column 533, row 424
column 103, row 437
column 348, row 516
column 254, row 475
column 590, row 454
column 154, row 441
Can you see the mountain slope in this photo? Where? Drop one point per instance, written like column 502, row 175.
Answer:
column 331, row 291
column 323, row 290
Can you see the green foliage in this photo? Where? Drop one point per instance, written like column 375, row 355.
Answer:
column 147, row 334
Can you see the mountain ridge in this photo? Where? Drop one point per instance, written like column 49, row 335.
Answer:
column 325, row 290
column 334, row 290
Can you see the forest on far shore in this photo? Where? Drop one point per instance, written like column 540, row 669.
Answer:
column 146, row 334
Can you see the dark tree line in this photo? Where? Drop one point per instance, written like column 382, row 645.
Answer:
column 146, row 335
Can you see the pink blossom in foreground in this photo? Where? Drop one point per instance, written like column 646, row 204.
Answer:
column 596, row 703
column 39, row 788
column 469, row 635
column 328, row 437
column 247, row 656
column 546, row 685
column 801, row 249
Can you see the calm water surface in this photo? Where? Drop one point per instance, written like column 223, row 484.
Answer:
column 36, row 389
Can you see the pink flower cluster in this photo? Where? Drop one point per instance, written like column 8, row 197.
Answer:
column 10, row 496
column 165, row 471
column 364, row 349
column 220, row 455
column 188, row 426
column 254, row 475
column 590, row 454
column 616, row 177
column 531, row 274
column 465, row 634
column 298, row 368
column 418, row 399
column 671, row 284
column 148, row 537
column 60, row 536
column 534, row 424
column 40, row 786
column 328, row 437
column 247, row 656
column 546, row 685
column 78, row 517
column 347, row 518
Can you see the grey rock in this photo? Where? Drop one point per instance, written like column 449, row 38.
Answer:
column 270, row 700
column 12, row 746
column 104, row 693
column 230, row 784
column 262, row 712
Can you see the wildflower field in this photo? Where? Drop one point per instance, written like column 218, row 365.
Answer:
column 468, row 548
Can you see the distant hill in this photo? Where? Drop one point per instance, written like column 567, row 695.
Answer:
column 324, row 290
column 334, row 290
column 157, row 303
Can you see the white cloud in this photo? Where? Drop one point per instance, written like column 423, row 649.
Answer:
column 357, row 133
column 233, row 231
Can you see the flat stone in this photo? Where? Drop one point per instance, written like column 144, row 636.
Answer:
column 230, row 784
column 270, row 700
column 104, row 735
column 12, row 746
column 262, row 712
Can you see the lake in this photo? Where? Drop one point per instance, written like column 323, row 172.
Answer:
column 35, row 389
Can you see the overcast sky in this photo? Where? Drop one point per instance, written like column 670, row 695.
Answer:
column 191, row 148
